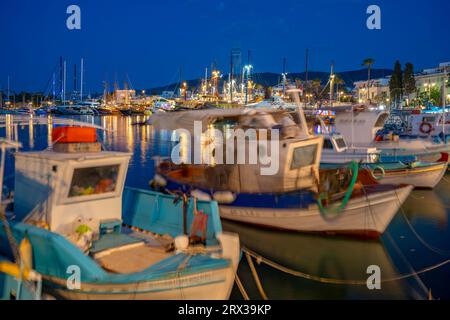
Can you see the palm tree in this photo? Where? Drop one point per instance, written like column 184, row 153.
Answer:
column 368, row 63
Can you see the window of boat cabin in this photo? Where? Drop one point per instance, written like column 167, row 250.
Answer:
column 327, row 144
column 94, row 180
column 304, row 156
column 340, row 143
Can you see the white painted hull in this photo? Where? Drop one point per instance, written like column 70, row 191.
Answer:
column 211, row 285
column 420, row 179
column 362, row 216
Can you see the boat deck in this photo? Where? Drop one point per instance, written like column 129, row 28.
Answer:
column 130, row 251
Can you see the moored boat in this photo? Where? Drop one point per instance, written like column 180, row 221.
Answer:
column 291, row 198
column 92, row 238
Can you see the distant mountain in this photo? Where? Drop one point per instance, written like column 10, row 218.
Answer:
column 271, row 79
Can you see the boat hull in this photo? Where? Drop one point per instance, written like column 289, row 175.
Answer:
column 427, row 177
column 209, row 285
column 363, row 216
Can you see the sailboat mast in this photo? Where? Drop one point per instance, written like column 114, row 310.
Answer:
column 284, row 76
column 64, row 83
column 81, row 79
column 206, row 80
column 444, row 100
column 8, row 89
column 61, row 75
column 331, row 83
column 74, row 79
column 247, row 77
column 54, row 87
column 231, row 76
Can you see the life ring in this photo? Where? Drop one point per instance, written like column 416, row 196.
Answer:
column 427, row 125
column 374, row 175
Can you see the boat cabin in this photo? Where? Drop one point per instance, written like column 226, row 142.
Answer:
column 360, row 128
column 336, row 151
column 72, row 182
column 426, row 124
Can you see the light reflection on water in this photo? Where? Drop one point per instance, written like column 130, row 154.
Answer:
column 403, row 248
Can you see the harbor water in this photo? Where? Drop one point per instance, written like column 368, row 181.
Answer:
column 417, row 238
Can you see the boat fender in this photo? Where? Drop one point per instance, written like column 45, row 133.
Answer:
column 224, row 196
column 377, row 176
column 426, row 127
column 158, row 180
column 181, row 242
column 200, row 195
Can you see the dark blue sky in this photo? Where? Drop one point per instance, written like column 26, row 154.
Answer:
column 149, row 40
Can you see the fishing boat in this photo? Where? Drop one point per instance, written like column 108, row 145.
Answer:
column 294, row 197
column 361, row 128
column 384, row 169
column 73, row 110
column 92, row 238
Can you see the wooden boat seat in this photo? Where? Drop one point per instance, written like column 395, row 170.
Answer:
column 134, row 258
column 130, row 251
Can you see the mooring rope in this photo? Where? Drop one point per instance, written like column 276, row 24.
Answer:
column 241, row 287
column 421, row 240
column 255, row 276
column 300, row 274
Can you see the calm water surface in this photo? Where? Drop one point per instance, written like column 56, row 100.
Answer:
column 418, row 237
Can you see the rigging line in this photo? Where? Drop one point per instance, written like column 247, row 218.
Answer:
column 419, row 280
column 408, row 265
column 307, row 276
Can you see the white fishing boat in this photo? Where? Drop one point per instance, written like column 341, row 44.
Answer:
column 360, row 128
column 383, row 169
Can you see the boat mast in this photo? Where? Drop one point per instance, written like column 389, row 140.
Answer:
column 284, row 76
column 74, row 81
column 247, row 77
column 61, row 78
column 8, row 91
column 331, row 83
column 81, row 80
column 444, row 100
column 305, row 89
column 231, row 76
column 206, row 81
column 54, row 88
column 64, row 83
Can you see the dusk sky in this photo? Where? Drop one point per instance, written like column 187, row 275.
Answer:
column 150, row 40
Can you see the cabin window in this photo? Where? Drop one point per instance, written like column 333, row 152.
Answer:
column 94, row 180
column 340, row 143
column 327, row 144
column 304, row 156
